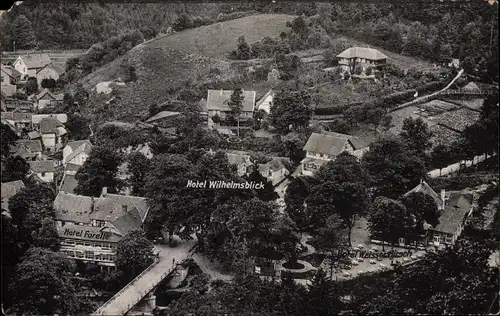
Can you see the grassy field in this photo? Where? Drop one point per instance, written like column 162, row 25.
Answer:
column 196, row 55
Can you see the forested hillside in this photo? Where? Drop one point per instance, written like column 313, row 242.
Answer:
column 79, row 25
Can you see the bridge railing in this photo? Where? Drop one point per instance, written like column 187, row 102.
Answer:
column 103, row 306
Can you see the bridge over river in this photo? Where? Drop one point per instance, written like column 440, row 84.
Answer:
column 123, row 301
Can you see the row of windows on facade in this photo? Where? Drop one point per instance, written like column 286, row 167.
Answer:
column 104, row 245
column 95, row 223
column 89, row 255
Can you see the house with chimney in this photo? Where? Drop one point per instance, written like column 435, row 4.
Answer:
column 53, row 134
column 28, row 65
column 365, row 57
column 324, row 147
column 20, row 122
column 89, row 228
column 456, row 207
column 219, row 110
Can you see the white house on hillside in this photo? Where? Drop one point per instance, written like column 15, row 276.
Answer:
column 29, row 65
column 363, row 56
column 324, row 147
column 76, row 152
column 44, row 169
column 49, row 71
column 265, row 102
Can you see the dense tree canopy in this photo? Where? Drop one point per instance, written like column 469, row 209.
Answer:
column 393, row 169
column 134, row 253
column 99, row 171
column 291, row 111
column 43, row 284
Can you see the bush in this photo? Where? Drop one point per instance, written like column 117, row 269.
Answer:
column 461, row 181
column 20, row 96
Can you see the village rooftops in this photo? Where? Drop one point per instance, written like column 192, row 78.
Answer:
column 331, row 143
column 42, row 166
column 274, row 165
column 57, row 97
column 9, row 189
column 37, row 118
column 110, row 207
column 33, row 146
column 362, row 52
column 17, row 117
column 218, row 100
column 50, row 125
column 35, row 61
column 162, row 115
column 73, row 208
column 236, row 158
column 59, row 68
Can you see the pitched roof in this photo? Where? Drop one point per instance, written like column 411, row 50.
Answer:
column 72, row 207
column 10, row 71
column 34, row 135
column 77, row 143
column 68, row 183
column 71, row 167
column 112, row 206
column 218, row 99
column 261, row 100
column 59, row 68
column 471, row 86
column 362, row 52
column 9, row 189
column 61, row 117
column 237, row 159
column 457, row 207
column 33, row 145
column 162, row 115
column 427, row 190
column 36, row 60
column 16, row 116
column 44, row 92
column 273, row 165
column 42, row 166
column 128, row 222
column 49, row 125
column 331, row 143
column 85, row 147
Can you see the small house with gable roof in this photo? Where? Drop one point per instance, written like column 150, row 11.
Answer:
column 28, row 65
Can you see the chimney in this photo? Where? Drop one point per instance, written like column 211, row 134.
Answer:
column 92, row 203
column 443, row 197
column 104, row 191
column 221, row 91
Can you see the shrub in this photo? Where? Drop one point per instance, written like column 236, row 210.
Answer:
column 461, row 181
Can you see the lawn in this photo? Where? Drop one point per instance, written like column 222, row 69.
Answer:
column 196, row 55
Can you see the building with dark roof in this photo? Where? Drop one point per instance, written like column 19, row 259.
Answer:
column 326, row 146
column 29, row 64
column 275, row 170
column 89, row 227
column 28, row 149
column 455, row 207
column 44, row 169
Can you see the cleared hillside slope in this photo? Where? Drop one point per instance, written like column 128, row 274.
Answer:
column 167, row 63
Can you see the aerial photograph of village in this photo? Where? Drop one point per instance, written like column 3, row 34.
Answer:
column 250, row 158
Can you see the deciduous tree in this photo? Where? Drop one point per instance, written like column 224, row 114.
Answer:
column 291, row 110
column 22, row 33
column 416, row 135
column 138, row 166
column 99, row 171
column 134, row 253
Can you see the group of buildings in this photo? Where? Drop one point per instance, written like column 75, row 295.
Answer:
column 14, row 77
column 89, row 228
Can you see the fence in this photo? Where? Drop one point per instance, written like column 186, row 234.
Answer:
column 456, row 166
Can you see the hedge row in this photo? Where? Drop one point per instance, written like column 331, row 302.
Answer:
column 461, row 181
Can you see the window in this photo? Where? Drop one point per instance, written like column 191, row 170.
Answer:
column 79, row 254
column 43, row 174
column 436, row 239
